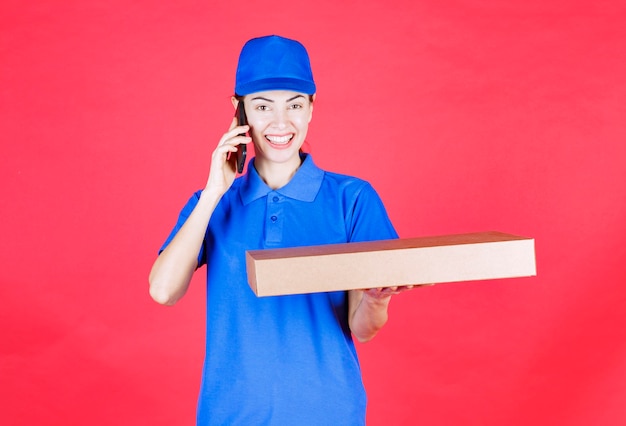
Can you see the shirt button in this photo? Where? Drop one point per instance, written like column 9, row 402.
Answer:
column 275, row 199
column 274, row 218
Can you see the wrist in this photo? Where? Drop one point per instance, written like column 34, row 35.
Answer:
column 208, row 201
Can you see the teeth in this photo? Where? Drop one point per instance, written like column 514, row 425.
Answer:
column 279, row 139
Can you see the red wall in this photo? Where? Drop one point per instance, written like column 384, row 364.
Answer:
column 466, row 116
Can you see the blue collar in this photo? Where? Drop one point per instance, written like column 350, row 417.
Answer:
column 303, row 186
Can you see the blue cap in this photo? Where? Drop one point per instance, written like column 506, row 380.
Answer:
column 273, row 63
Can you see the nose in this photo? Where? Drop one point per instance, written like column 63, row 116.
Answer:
column 280, row 118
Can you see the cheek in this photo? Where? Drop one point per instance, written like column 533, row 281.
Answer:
column 304, row 126
column 257, row 125
column 256, row 136
column 302, row 121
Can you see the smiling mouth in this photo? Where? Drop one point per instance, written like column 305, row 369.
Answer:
column 279, row 140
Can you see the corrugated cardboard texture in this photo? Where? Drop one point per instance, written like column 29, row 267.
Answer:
column 425, row 260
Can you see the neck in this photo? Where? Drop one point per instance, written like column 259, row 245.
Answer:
column 276, row 175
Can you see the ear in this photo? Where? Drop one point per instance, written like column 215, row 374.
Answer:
column 235, row 101
column 311, row 108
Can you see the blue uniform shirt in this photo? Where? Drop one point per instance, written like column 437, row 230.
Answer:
column 282, row 360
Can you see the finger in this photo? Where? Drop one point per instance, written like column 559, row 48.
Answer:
column 233, row 140
column 234, row 131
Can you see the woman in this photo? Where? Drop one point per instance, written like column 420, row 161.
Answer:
column 287, row 359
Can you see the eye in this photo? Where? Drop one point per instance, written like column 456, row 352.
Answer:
column 262, row 107
column 295, row 106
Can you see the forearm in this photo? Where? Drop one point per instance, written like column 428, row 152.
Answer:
column 368, row 314
column 173, row 269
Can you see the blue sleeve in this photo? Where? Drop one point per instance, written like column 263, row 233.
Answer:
column 182, row 218
column 368, row 219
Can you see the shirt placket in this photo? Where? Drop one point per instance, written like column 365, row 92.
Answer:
column 274, row 219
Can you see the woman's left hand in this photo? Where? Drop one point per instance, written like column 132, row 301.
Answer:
column 384, row 292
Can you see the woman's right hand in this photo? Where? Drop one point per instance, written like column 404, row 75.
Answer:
column 172, row 271
column 224, row 161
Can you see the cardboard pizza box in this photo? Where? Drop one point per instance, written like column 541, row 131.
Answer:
column 423, row 260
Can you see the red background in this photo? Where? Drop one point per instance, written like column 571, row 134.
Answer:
column 465, row 115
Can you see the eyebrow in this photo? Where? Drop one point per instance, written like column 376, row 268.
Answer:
column 261, row 98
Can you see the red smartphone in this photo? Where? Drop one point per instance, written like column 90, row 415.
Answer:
column 241, row 148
